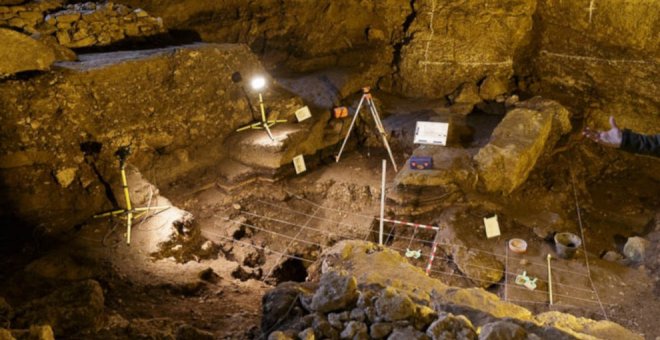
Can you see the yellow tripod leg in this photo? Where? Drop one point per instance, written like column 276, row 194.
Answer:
column 127, row 196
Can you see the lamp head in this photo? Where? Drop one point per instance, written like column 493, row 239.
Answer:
column 258, row 83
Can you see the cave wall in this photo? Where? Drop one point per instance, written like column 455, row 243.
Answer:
column 174, row 106
column 601, row 61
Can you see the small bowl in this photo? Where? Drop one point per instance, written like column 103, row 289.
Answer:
column 518, row 245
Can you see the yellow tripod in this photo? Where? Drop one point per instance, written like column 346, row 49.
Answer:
column 130, row 212
column 264, row 123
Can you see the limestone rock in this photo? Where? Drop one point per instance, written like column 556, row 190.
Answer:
column 307, row 334
column 277, row 302
column 335, row 292
column 612, row 256
column 66, row 176
column 41, row 332
column 424, row 316
column 5, row 334
column 466, row 94
column 323, row 328
column 518, row 142
column 393, row 306
column 380, row 330
column 602, row 329
column 492, row 87
column 635, row 248
column 407, row 333
column 355, row 330
column 74, row 307
column 279, row 335
column 502, row 330
column 21, row 53
column 449, row 326
column 483, row 269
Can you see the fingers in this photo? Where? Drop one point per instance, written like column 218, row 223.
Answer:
column 591, row 134
column 613, row 123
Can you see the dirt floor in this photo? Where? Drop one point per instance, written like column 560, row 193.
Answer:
column 264, row 233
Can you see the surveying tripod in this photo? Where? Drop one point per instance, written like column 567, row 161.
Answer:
column 366, row 96
column 130, row 212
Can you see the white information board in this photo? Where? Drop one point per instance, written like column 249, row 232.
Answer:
column 299, row 164
column 431, row 133
column 303, row 113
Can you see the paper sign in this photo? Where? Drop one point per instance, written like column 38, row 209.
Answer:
column 431, row 133
column 299, row 164
column 303, row 113
column 492, row 227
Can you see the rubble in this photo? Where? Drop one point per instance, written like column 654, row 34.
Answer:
column 404, row 296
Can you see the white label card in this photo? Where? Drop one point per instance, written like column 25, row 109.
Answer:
column 303, row 113
column 431, row 133
column 492, row 227
column 299, row 164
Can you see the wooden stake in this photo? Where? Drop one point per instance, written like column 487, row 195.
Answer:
column 382, row 204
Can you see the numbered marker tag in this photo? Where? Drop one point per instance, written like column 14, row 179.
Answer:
column 299, row 164
column 492, row 226
column 303, row 113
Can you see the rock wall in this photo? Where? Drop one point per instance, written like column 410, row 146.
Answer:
column 450, row 43
column 81, row 25
column 59, row 130
column 600, row 57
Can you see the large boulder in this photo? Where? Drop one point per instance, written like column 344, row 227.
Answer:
column 449, row 326
column 483, row 269
column 22, row 53
column 394, row 306
column 524, row 135
column 335, row 292
column 73, row 308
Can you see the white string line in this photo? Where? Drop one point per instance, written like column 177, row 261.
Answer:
column 326, row 208
column 584, row 243
column 304, row 214
column 254, row 245
column 428, row 42
column 400, row 250
column 545, row 303
column 595, row 59
column 544, row 293
column 423, row 241
column 286, row 250
column 226, row 218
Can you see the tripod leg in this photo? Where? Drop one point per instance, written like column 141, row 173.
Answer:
column 268, row 131
column 381, row 131
column 129, row 224
column 350, row 128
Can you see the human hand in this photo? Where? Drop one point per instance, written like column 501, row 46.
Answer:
column 611, row 137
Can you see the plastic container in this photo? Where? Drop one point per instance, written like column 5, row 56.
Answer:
column 518, row 245
column 567, row 244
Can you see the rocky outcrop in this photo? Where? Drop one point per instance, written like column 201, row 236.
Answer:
column 601, row 58
column 398, row 301
column 523, row 136
column 28, row 17
column 172, row 105
column 21, row 53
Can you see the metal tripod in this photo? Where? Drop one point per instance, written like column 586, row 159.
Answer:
column 366, row 96
column 130, row 212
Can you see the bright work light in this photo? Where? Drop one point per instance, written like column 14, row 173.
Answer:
column 258, row 83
